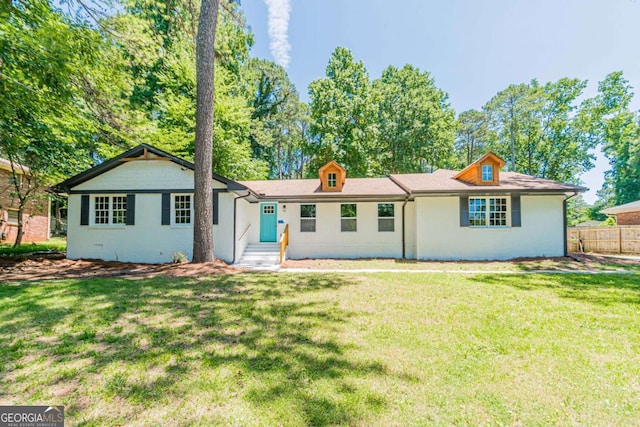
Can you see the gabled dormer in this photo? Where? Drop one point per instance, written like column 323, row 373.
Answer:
column 484, row 171
column 332, row 176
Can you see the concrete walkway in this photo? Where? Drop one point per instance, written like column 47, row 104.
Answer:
column 396, row 270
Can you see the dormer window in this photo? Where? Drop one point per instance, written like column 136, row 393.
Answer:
column 483, row 171
column 332, row 177
column 332, row 180
column 487, row 172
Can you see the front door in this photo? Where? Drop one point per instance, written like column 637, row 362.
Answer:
column 268, row 222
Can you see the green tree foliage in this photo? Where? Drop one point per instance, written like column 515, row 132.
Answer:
column 43, row 60
column 343, row 117
column 615, row 127
column 415, row 123
column 578, row 210
column 280, row 120
column 540, row 129
column 474, row 136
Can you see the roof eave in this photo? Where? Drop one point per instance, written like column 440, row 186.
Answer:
column 106, row 166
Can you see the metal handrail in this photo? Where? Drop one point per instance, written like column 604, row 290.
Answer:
column 244, row 232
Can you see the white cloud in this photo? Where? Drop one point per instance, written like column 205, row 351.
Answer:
column 278, row 27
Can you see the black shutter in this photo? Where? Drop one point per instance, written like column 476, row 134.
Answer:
column 216, row 194
column 166, row 208
column 515, row 211
column 131, row 209
column 464, row 211
column 84, row 210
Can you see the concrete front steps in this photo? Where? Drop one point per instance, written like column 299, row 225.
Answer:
column 260, row 256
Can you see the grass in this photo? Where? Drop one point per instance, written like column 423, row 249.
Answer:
column 327, row 349
column 53, row 244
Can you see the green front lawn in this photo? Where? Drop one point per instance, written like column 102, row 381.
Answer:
column 53, row 244
column 327, row 349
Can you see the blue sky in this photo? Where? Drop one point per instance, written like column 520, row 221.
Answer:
column 473, row 48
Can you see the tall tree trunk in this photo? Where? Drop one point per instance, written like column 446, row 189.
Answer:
column 203, row 196
column 20, row 231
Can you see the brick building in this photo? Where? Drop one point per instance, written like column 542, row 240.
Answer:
column 627, row 214
column 36, row 215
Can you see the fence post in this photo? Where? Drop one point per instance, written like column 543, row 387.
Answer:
column 619, row 240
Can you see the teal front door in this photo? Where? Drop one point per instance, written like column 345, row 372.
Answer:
column 268, row 222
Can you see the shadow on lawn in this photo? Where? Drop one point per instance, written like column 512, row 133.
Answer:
column 602, row 289
column 274, row 341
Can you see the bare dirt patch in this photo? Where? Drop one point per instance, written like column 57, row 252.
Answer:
column 575, row 262
column 56, row 266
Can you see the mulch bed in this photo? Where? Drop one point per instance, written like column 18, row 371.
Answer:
column 54, row 265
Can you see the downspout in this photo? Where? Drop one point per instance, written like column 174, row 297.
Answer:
column 235, row 219
column 564, row 221
column 404, row 243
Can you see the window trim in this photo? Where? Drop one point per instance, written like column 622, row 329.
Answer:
column 110, row 216
column 309, row 219
column 353, row 218
column 393, row 217
column 487, row 211
column 332, row 180
column 173, row 210
column 9, row 221
column 490, row 171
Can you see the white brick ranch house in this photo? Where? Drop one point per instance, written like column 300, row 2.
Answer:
column 138, row 207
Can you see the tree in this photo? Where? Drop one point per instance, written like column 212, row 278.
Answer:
column 279, row 119
column 203, row 197
column 42, row 125
column 617, row 129
column 343, row 116
column 541, row 129
column 474, row 136
column 415, row 123
column 507, row 114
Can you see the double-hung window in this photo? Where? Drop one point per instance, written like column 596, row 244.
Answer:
column 487, row 172
column 12, row 216
column 349, row 217
column 332, row 180
column 182, row 209
column 386, row 217
column 308, row 218
column 110, row 210
column 488, row 211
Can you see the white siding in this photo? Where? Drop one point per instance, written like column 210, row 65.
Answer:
column 147, row 241
column 246, row 224
column 144, row 175
column 440, row 237
column 328, row 241
column 223, row 231
column 410, row 230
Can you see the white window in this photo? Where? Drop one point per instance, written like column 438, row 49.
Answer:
column 488, row 211
column 308, row 218
column 487, row 172
column 332, row 180
column 268, row 209
column 12, row 216
column 182, row 209
column 110, row 210
column 119, row 210
column 101, row 210
column 386, row 220
column 348, row 217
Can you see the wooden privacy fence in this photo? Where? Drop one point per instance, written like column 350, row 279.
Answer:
column 618, row 240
